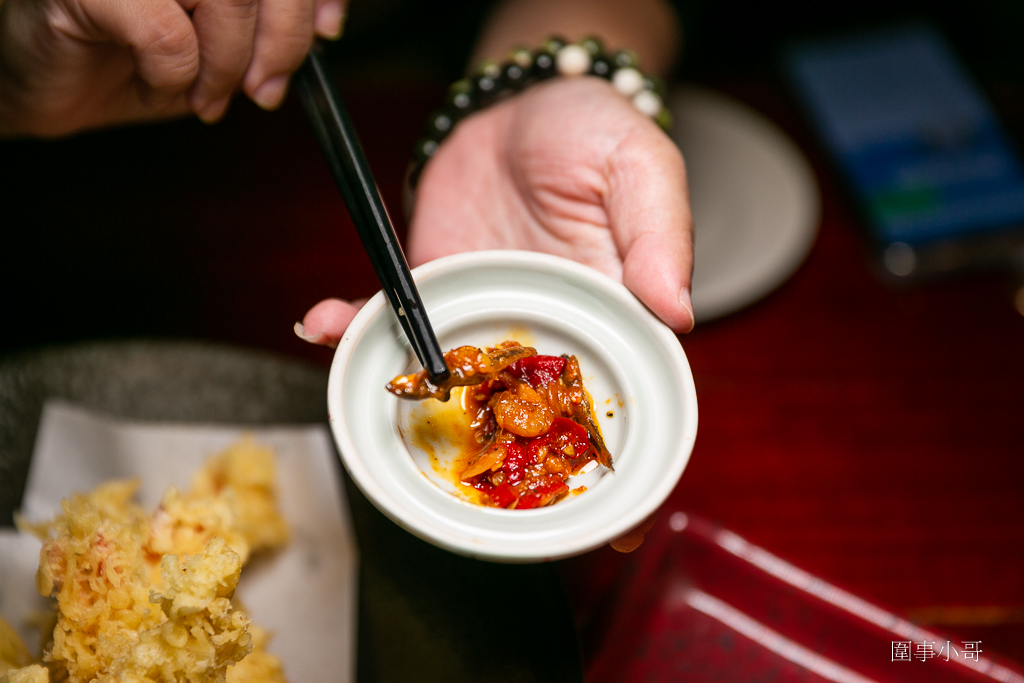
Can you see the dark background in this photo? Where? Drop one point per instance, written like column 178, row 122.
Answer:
column 152, row 230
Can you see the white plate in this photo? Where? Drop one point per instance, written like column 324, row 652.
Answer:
column 754, row 197
column 632, row 364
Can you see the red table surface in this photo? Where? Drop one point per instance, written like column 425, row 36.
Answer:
column 871, row 436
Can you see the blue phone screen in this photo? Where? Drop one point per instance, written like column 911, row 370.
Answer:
column 914, row 134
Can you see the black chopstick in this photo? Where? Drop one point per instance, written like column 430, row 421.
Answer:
column 352, row 174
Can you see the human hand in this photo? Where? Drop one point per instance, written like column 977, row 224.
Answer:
column 68, row 65
column 567, row 167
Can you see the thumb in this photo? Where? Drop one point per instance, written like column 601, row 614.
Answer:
column 649, row 211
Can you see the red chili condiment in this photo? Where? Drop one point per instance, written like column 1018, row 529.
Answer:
column 531, row 410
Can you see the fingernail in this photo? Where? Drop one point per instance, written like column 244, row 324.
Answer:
column 330, row 20
column 687, row 303
column 271, row 93
column 300, row 332
column 214, row 111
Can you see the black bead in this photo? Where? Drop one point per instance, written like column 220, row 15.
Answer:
column 601, row 67
column 513, row 76
column 425, row 149
column 543, row 65
column 460, row 100
column 625, row 58
column 439, row 124
column 593, row 45
column 485, row 90
column 656, row 84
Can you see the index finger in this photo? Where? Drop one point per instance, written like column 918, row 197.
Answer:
column 284, row 34
column 225, row 29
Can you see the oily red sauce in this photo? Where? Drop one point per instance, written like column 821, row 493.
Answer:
column 524, row 414
column 530, row 420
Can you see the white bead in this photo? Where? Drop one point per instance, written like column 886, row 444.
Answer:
column 628, row 81
column 647, row 102
column 573, row 60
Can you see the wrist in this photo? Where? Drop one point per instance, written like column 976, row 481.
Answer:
column 555, row 58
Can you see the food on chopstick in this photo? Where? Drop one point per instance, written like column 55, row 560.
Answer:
column 148, row 597
column 469, row 366
column 531, row 420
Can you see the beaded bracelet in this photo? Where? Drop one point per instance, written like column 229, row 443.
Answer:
column 493, row 81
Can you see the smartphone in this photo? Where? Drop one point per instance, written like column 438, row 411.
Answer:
column 933, row 172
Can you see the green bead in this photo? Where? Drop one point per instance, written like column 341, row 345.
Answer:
column 521, row 57
column 553, row 44
column 624, row 58
column 664, row 119
column 489, row 68
column 593, row 45
column 463, row 85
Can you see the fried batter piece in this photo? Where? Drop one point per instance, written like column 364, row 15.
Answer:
column 259, row 665
column 33, row 673
column 245, row 475
column 143, row 598
column 92, row 562
column 200, row 633
column 111, row 625
column 232, row 497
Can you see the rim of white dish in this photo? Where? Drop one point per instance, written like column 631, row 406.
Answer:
column 587, row 310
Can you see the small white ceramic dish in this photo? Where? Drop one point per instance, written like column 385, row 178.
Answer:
column 632, row 364
column 754, row 197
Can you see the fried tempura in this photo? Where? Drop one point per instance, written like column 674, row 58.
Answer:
column 200, row 633
column 148, row 599
column 231, row 497
column 259, row 665
column 32, row 673
column 92, row 562
column 245, row 476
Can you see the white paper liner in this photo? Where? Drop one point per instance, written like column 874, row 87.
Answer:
column 305, row 594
